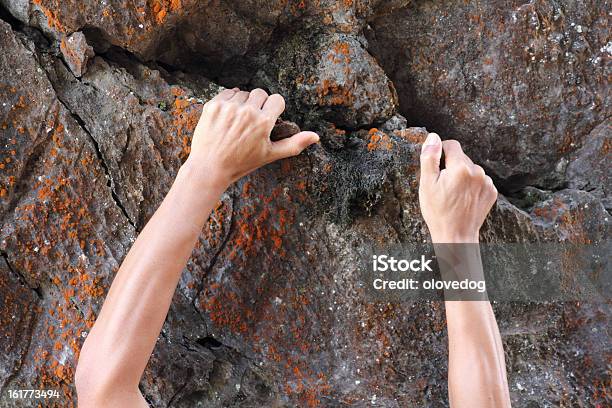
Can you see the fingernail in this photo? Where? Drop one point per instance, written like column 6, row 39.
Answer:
column 432, row 139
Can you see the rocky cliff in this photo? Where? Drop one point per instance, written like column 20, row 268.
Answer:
column 98, row 103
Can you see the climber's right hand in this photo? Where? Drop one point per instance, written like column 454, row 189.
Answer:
column 456, row 200
column 232, row 137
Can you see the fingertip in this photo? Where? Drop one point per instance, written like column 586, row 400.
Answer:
column 431, row 153
column 433, row 139
column 431, row 145
column 307, row 138
column 294, row 145
column 312, row 137
column 274, row 105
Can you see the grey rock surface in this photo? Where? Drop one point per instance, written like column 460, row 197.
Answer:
column 270, row 310
column 522, row 84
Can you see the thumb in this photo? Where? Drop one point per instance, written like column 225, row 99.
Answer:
column 431, row 153
column 294, row 145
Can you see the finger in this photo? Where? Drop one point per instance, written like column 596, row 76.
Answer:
column 239, row 97
column 293, row 145
column 453, row 154
column 431, row 152
column 257, row 98
column 274, row 106
column 225, row 94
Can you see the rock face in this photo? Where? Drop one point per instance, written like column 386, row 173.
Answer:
column 269, row 310
column 521, row 83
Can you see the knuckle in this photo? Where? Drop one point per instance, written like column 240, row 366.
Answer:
column 478, row 172
column 494, row 192
column 463, row 171
column 212, row 105
column 246, row 110
column 226, row 105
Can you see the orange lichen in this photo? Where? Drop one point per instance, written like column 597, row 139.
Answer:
column 411, row 135
column 52, row 18
column 340, row 53
column 185, row 116
column 161, row 8
column 59, row 226
column 332, row 93
column 379, row 140
column 276, row 329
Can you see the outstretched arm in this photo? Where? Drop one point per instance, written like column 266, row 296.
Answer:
column 455, row 202
column 230, row 140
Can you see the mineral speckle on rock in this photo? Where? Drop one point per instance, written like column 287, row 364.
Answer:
column 269, row 310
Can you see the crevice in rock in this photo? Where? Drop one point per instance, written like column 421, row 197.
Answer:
column 100, row 157
column 107, row 173
column 76, row 117
column 20, row 276
column 96, row 146
column 209, row 342
column 176, row 394
column 215, row 257
column 96, row 38
column 527, row 197
column 8, row 18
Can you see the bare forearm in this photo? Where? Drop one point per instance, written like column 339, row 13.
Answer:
column 476, row 368
column 476, row 372
column 231, row 139
column 454, row 202
column 129, row 323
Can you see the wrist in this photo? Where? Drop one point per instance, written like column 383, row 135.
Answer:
column 203, row 177
column 454, row 237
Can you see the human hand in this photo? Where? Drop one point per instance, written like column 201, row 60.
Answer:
column 232, row 137
column 456, row 200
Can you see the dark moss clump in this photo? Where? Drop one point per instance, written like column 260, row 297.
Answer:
column 348, row 183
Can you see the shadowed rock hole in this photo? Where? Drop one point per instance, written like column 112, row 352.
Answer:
column 8, row 18
column 209, row 342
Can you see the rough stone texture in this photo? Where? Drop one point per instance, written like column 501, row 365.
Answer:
column 337, row 76
column 521, row 83
column 76, row 52
column 269, row 310
column 589, row 168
